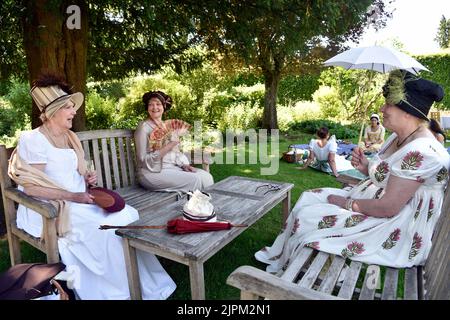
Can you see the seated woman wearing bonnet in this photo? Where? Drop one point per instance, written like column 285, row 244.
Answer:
column 48, row 163
column 387, row 219
column 373, row 135
column 161, row 166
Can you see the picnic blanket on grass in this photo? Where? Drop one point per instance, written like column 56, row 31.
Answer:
column 343, row 149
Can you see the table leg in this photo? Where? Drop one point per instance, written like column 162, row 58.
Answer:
column 197, row 278
column 132, row 270
column 286, row 206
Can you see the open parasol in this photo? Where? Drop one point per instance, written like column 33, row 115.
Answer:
column 181, row 226
column 375, row 58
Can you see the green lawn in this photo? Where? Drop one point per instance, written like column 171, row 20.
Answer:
column 240, row 251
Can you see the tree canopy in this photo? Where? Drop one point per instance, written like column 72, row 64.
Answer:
column 443, row 33
column 282, row 36
column 116, row 38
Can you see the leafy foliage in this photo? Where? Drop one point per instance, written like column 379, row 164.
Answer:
column 439, row 64
column 124, row 36
column 341, row 131
column 100, row 112
column 129, row 36
column 15, row 109
column 13, row 60
column 294, row 88
column 443, row 33
column 278, row 37
column 352, row 94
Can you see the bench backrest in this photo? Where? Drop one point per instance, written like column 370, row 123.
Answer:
column 437, row 267
column 113, row 155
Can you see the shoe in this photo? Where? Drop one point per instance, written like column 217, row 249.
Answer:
column 261, row 256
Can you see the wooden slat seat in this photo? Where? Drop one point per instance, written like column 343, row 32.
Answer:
column 114, row 160
column 309, row 276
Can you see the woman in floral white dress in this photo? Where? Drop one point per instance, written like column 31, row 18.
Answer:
column 389, row 218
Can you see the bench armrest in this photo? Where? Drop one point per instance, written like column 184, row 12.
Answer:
column 264, row 284
column 43, row 208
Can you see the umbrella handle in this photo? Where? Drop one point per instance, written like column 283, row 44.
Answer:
column 361, row 133
column 106, row 227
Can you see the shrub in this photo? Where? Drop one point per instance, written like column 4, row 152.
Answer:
column 100, row 112
column 341, row 131
column 297, row 88
column 15, row 108
column 302, row 110
column 241, row 116
column 113, row 90
column 242, row 108
column 439, row 64
column 328, row 100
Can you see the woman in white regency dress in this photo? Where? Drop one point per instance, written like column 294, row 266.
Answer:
column 392, row 228
column 95, row 256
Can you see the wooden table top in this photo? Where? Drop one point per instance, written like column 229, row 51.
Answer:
column 235, row 199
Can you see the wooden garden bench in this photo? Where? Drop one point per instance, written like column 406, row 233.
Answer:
column 309, row 276
column 114, row 157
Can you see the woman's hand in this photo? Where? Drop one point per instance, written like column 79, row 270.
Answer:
column 82, row 197
column 188, row 168
column 91, row 178
column 337, row 200
column 359, row 161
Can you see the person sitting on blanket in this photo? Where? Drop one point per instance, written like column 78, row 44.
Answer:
column 373, row 135
column 323, row 152
column 387, row 219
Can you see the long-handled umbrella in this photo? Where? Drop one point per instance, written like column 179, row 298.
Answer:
column 181, row 226
column 375, row 58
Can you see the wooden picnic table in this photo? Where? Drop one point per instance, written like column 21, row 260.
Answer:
column 239, row 200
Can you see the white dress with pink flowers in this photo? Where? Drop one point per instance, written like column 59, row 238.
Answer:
column 401, row 241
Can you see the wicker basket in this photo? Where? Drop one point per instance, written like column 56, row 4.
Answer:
column 293, row 157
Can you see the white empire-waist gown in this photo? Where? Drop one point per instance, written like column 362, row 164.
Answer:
column 96, row 254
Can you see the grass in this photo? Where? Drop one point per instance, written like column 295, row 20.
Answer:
column 240, row 251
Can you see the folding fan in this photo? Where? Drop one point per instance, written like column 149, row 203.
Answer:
column 160, row 134
column 180, row 127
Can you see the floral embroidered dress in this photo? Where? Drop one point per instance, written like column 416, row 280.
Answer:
column 400, row 241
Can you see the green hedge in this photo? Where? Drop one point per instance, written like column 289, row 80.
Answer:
column 439, row 65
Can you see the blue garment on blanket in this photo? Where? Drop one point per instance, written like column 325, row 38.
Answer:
column 343, row 148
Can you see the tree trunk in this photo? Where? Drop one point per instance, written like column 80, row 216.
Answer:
column 50, row 46
column 271, row 81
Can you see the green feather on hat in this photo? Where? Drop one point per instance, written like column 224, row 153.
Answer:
column 394, row 89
